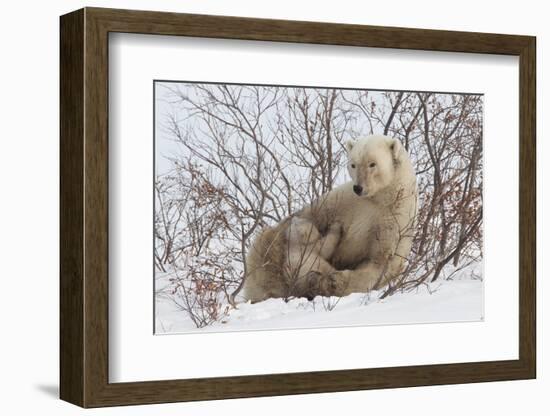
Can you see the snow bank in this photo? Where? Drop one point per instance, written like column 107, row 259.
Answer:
column 445, row 301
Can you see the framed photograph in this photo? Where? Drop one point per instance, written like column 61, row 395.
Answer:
column 255, row 207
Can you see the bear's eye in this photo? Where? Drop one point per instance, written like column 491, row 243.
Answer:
column 353, row 165
column 372, row 164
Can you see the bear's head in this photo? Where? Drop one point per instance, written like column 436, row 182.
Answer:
column 373, row 162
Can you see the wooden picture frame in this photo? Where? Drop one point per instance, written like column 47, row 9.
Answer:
column 84, row 207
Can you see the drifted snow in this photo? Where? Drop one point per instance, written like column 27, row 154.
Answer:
column 455, row 300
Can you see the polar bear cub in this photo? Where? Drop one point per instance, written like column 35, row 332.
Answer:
column 308, row 250
column 287, row 259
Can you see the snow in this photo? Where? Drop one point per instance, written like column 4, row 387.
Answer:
column 454, row 297
column 457, row 300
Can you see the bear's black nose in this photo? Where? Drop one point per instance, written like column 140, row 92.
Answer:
column 357, row 189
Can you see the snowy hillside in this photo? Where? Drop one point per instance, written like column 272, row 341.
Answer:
column 444, row 301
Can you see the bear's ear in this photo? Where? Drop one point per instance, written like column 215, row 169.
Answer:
column 349, row 145
column 396, row 149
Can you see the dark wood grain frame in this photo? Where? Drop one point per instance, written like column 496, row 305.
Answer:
column 84, row 218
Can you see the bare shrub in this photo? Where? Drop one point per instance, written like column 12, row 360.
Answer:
column 247, row 157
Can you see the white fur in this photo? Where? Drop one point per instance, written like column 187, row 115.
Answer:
column 378, row 225
column 308, row 250
column 376, row 221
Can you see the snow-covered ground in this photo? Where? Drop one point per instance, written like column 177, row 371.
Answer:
column 456, row 300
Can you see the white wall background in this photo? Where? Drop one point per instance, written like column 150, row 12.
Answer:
column 29, row 209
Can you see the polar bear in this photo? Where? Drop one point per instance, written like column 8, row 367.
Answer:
column 286, row 260
column 376, row 210
column 308, row 250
